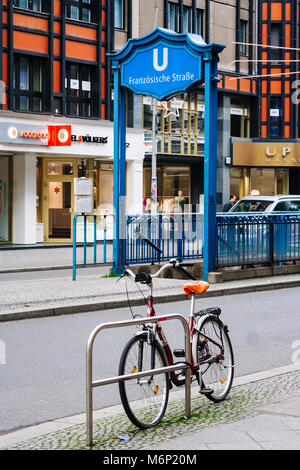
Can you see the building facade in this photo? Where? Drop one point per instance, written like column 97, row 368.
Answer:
column 54, row 72
column 270, row 163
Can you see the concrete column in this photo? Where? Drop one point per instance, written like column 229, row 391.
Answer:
column 24, row 198
column 223, row 170
column 134, row 193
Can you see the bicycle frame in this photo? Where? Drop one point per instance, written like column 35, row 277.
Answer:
column 169, row 355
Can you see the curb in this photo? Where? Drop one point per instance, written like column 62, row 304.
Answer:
column 61, row 424
column 163, row 298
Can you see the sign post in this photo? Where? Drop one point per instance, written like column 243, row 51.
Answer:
column 163, row 64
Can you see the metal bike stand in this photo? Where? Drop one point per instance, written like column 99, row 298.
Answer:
column 89, row 366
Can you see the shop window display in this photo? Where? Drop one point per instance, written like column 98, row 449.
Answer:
column 173, row 189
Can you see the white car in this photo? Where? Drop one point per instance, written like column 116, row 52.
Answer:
column 267, row 204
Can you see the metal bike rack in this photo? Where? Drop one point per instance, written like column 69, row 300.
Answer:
column 89, row 366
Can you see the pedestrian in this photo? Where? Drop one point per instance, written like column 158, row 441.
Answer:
column 230, row 203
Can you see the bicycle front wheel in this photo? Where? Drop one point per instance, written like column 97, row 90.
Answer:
column 212, row 349
column 144, row 399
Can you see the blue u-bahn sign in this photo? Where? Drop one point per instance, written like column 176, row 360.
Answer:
column 162, row 69
column 163, row 64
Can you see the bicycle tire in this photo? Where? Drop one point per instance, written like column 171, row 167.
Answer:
column 217, row 375
column 144, row 400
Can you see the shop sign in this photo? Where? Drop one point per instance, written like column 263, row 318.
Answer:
column 11, row 133
column 59, row 136
column 89, row 139
column 266, row 154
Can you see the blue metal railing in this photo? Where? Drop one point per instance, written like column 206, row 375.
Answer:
column 242, row 238
column 257, row 238
column 177, row 235
column 85, row 244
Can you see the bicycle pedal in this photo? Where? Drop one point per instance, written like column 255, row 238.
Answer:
column 179, row 352
column 206, row 391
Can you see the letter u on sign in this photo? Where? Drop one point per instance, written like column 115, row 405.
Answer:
column 157, row 67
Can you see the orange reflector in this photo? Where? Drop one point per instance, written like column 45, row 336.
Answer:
column 222, row 381
column 133, row 370
column 156, row 389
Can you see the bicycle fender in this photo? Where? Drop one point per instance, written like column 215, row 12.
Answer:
column 198, row 328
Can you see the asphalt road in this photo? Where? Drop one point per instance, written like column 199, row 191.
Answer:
column 44, row 374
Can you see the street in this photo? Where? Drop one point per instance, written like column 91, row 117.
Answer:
column 44, row 374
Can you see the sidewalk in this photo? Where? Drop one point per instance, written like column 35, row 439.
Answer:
column 50, row 297
column 261, row 412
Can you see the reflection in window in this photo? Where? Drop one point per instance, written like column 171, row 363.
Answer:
column 59, row 168
column 190, row 23
column 181, row 125
column 83, row 10
column 243, row 37
column 34, row 5
column 28, row 83
column 79, row 90
column 119, row 14
column 173, row 188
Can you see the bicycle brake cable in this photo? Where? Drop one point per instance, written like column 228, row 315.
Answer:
column 128, row 299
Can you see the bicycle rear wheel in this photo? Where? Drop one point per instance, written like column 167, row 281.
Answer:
column 145, row 399
column 212, row 346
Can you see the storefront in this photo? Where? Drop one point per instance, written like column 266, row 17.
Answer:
column 39, row 206
column 264, row 168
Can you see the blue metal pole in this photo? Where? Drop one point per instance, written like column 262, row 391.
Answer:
column 116, row 180
column 210, row 164
column 74, row 247
column 95, row 239
column 122, row 200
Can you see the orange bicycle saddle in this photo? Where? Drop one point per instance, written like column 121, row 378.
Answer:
column 195, row 287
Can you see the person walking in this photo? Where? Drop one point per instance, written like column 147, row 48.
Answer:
column 230, row 203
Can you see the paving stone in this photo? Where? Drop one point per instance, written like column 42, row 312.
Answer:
column 239, row 413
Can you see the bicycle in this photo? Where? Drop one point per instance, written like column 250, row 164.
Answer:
column 145, row 399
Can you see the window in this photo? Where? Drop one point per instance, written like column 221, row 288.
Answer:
column 293, row 206
column 28, row 83
column 173, row 15
column 119, row 14
column 243, row 37
column 239, row 118
column 280, row 206
column 275, row 117
column 275, row 40
column 199, row 22
column 34, row 5
column 187, row 20
column 82, row 10
column 181, row 125
column 190, row 24
column 79, row 90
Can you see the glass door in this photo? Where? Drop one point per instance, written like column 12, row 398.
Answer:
column 58, row 198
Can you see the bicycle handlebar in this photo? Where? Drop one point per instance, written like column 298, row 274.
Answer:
column 147, row 278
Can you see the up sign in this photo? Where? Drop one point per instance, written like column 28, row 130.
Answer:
column 162, row 70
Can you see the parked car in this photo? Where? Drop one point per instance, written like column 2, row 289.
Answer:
column 267, row 204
